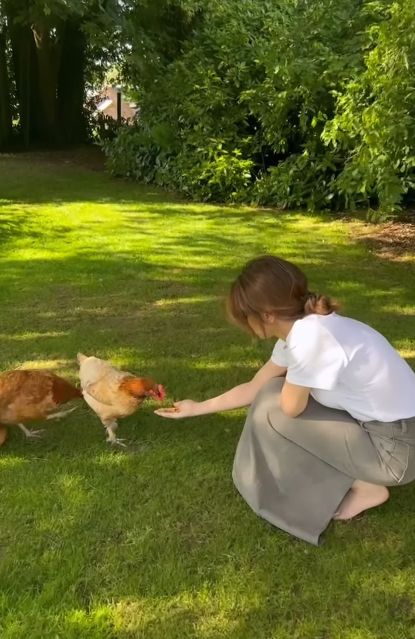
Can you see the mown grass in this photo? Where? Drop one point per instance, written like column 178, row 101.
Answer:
column 154, row 542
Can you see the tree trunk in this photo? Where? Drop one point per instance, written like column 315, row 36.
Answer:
column 5, row 108
column 24, row 64
column 49, row 61
column 47, row 56
column 71, row 84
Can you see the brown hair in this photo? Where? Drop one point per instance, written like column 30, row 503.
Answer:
column 269, row 284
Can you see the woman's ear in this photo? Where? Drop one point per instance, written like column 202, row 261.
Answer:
column 268, row 318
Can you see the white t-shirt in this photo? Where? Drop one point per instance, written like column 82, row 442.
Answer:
column 348, row 365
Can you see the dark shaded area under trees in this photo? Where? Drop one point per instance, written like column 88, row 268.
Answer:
column 47, row 53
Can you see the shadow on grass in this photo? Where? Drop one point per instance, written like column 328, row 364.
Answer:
column 127, row 299
column 22, row 183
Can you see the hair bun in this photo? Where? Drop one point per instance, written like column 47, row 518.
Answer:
column 320, row 304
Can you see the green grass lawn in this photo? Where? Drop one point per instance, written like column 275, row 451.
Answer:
column 154, row 542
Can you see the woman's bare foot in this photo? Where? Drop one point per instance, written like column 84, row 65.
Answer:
column 360, row 497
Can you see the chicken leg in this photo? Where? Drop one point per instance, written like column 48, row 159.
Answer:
column 111, row 426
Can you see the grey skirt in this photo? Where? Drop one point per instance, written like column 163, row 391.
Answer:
column 294, row 472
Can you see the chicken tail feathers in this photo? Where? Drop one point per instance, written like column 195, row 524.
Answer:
column 63, row 391
column 3, row 434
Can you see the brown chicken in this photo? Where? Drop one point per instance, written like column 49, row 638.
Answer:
column 31, row 395
column 3, row 435
column 112, row 393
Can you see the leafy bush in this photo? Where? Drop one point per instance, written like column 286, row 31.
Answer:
column 132, row 154
column 218, row 174
column 300, row 180
column 375, row 117
column 288, row 103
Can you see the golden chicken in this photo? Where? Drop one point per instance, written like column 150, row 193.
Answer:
column 112, row 393
column 31, row 395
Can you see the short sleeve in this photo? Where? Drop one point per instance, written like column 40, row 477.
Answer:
column 315, row 357
column 279, row 354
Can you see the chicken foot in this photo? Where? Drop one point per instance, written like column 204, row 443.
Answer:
column 111, row 427
column 33, row 434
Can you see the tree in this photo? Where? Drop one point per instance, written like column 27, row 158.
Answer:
column 5, row 108
column 45, row 49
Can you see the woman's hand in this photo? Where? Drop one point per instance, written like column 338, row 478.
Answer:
column 185, row 408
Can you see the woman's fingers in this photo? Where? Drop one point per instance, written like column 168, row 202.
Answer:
column 170, row 411
column 184, row 408
column 167, row 409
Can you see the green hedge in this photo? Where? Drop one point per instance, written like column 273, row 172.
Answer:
column 282, row 103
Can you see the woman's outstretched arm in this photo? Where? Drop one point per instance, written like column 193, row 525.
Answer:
column 236, row 397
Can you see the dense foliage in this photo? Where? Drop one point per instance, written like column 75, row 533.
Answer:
column 281, row 102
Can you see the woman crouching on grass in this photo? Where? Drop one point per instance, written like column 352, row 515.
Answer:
column 332, row 417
